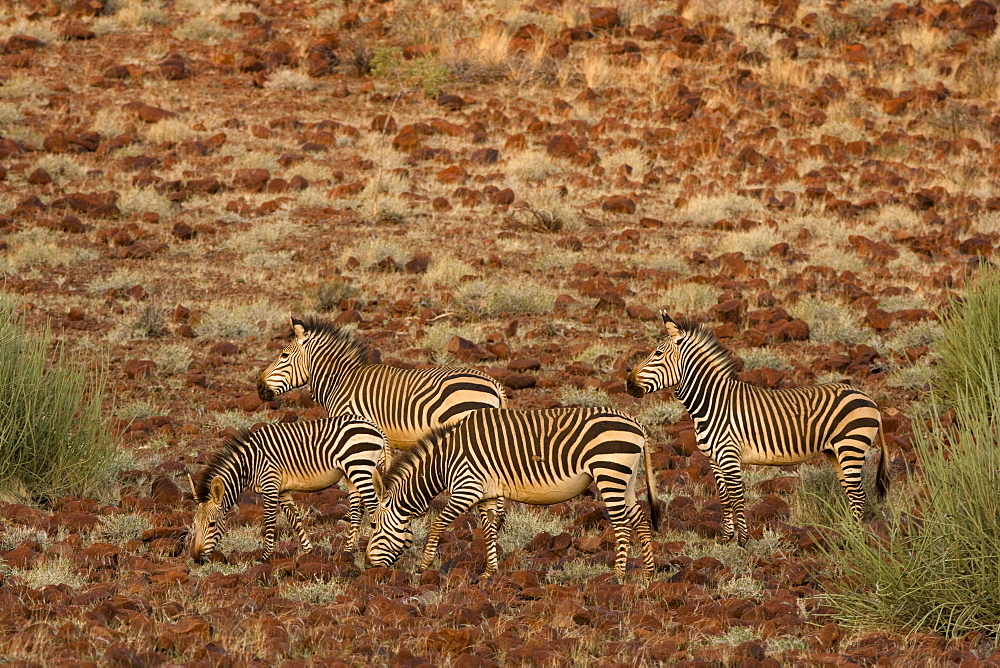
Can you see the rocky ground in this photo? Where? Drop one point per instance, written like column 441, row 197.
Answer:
column 513, row 187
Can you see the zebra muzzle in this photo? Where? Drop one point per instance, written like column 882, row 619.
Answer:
column 634, row 389
column 264, row 392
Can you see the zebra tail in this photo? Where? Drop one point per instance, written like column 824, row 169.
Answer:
column 882, row 475
column 654, row 510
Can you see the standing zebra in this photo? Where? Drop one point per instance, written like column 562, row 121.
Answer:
column 405, row 403
column 739, row 423
column 278, row 459
column 533, row 456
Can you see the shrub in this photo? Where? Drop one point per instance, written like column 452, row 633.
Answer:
column 329, row 293
column 488, row 299
column 425, row 73
column 968, row 365
column 523, row 524
column 588, row 397
column 937, row 567
column 55, row 441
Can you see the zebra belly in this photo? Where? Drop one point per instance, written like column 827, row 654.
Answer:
column 547, row 492
column 751, row 455
column 311, row 483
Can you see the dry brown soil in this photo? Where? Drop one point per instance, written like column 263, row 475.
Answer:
column 814, row 180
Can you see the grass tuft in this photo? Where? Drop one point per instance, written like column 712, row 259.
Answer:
column 55, row 439
column 937, row 569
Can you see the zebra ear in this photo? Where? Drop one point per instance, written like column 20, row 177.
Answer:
column 673, row 331
column 217, row 490
column 377, row 484
column 194, row 490
column 299, row 329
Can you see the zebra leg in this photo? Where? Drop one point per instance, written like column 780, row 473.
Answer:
column 614, row 490
column 728, row 526
column 729, row 475
column 270, row 521
column 847, row 462
column 640, row 524
column 462, row 499
column 491, row 523
column 294, row 517
column 357, row 511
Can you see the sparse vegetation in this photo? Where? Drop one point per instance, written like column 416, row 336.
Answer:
column 936, row 568
column 586, row 397
column 488, row 299
column 56, row 441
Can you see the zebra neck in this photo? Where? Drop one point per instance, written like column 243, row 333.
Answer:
column 326, row 373
column 237, row 476
column 416, row 490
column 700, row 389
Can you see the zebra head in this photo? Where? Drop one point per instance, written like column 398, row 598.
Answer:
column 290, row 370
column 663, row 366
column 391, row 536
column 209, row 524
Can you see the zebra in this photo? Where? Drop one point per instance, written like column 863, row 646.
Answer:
column 405, row 403
column 532, row 456
column 278, row 459
column 737, row 423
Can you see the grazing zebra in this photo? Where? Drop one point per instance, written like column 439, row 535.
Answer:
column 532, row 456
column 278, row 459
column 738, row 423
column 405, row 403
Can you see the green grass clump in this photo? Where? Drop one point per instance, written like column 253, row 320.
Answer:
column 54, row 441
column 523, row 524
column 491, row 298
column 938, row 570
column 968, row 364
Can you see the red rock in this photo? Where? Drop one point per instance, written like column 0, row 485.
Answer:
column 347, row 317
column 520, row 381
column 164, row 491
column 604, row 18
column 484, row 156
column 450, row 102
column 135, row 368
column 251, row 180
column 150, row 114
column 224, row 348
column 778, row 485
column 562, row 146
column 452, row 174
column 21, row 42
column 39, row 177
column 183, row 231
column 22, row 556
column 730, row 310
column 99, row 555
column 618, row 204
column 466, row 350
column 407, row 140
column 793, row 330
column 770, row 507
column 639, row 312
column 77, row 31
column 878, row 319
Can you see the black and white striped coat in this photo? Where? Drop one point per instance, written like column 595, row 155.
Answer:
column 405, row 403
column 532, row 456
column 737, row 423
column 278, row 459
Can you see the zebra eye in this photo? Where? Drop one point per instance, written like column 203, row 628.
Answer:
column 211, row 525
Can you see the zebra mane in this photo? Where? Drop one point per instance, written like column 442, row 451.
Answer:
column 708, row 344
column 344, row 344
column 221, row 461
column 409, row 458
